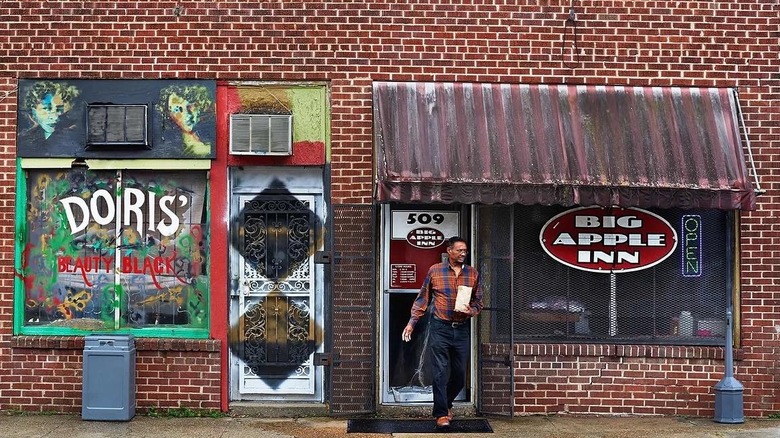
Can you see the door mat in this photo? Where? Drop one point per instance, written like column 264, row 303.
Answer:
column 407, row 425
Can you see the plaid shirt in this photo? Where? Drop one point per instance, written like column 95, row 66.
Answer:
column 442, row 284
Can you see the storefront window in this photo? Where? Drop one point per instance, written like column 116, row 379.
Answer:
column 113, row 250
column 681, row 300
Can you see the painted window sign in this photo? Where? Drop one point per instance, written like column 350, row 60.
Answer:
column 597, row 239
column 54, row 119
column 691, row 245
column 115, row 249
column 417, row 242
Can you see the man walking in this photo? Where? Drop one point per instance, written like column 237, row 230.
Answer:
column 453, row 289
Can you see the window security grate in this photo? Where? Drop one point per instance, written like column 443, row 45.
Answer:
column 547, row 301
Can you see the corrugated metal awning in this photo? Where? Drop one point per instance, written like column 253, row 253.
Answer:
column 560, row 144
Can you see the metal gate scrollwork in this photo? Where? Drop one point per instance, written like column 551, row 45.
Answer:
column 277, row 292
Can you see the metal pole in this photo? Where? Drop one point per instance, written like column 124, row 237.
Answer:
column 512, row 316
column 728, row 392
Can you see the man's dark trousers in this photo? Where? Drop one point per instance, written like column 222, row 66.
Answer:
column 449, row 353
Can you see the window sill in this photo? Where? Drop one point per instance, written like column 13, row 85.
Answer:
column 141, row 344
column 612, row 350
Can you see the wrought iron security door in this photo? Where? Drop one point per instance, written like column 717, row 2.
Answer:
column 276, row 295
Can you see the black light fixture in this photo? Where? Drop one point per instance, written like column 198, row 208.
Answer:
column 80, row 166
column 79, row 163
column 570, row 26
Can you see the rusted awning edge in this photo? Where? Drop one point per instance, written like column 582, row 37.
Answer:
column 564, row 195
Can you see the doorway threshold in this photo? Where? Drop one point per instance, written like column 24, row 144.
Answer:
column 266, row 409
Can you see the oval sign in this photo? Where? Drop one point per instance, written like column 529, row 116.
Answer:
column 597, row 239
column 425, row 238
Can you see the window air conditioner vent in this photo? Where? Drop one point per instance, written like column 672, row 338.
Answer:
column 117, row 125
column 260, row 134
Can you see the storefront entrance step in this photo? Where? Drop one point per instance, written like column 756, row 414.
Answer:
column 266, row 409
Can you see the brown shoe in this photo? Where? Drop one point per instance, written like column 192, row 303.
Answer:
column 442, row 422
column 449, row 414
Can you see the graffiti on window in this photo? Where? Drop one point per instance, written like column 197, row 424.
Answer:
column 115, row 249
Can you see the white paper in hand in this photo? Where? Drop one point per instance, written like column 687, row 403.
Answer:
column 463, row 299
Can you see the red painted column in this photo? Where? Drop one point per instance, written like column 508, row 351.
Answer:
column 220, row 242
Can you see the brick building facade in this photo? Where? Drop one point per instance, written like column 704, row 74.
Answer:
column 320, row 62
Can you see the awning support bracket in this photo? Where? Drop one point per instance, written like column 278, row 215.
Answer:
column 758, row 188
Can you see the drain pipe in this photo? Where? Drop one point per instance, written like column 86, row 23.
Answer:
column 728, row 392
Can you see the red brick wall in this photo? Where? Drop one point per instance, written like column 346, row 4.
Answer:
column 353, row 313
column 604, row 379
column 617, row 379
column 724, row 43
column 350, row 44
column 44, row 374
column 7, row 189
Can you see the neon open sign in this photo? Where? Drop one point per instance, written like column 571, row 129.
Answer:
column 691, row 246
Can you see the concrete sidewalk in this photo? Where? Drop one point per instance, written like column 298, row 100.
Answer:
column 71, row 426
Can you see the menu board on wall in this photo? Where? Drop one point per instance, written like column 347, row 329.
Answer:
column 417, row 242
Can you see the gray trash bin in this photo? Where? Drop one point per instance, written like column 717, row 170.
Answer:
column 108, row 392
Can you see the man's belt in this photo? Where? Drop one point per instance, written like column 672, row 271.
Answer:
column 453, row 324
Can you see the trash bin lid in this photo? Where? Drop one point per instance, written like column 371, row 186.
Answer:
column 109, row 342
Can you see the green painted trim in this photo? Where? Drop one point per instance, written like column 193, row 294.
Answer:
column 20, row 241
column 45, row 163
column 189, row 333
column 20, row 238
column 65, row 163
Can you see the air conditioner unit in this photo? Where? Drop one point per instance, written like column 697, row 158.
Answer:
column 260, row 134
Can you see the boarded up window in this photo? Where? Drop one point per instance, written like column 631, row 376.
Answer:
column 117, row 125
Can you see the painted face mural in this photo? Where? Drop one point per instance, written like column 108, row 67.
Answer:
column 116, row 119
column 46, row 102
column 114, row 249
column 183, row 112
column 183, row 105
